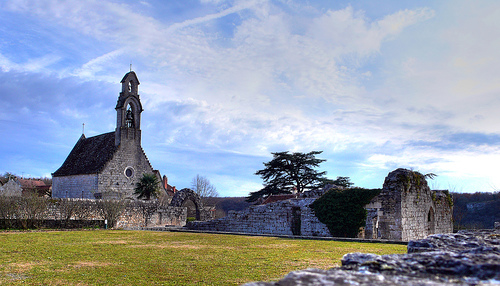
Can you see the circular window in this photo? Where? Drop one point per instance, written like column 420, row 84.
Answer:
column 129, row 172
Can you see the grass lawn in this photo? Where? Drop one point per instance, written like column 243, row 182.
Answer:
column 116, row 257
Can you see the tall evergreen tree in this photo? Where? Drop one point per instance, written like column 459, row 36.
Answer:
column 288, row 172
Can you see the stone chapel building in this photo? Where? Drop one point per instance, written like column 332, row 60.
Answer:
column 108, row 165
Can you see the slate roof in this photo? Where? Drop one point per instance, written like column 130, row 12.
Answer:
column 88, row 156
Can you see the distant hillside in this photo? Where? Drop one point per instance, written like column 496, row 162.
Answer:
column 477, row 210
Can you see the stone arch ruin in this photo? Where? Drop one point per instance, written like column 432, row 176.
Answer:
column 187, row 194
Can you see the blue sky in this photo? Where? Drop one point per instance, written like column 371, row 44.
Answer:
column 375, row 85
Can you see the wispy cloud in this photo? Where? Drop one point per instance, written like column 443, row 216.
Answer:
column 415, row 86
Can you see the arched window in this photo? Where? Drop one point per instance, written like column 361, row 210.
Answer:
column 130, row 86
column 129, row 117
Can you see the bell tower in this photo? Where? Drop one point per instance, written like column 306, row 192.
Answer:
column 128, row 111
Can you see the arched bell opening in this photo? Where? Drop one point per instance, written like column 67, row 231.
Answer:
column 129, row 117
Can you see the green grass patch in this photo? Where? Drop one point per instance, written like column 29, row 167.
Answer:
column 115, row 257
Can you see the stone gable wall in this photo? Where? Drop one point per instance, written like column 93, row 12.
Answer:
column 11, row 189
column 112, row 182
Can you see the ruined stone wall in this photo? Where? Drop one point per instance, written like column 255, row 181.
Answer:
column 371, row 230
column 409, row 209
column 133, row 217
column 443, row 212
column 405, row 209
column 113, row 181
column 76, row 186
column 389, row 219
column 290, row 217
column 417, row 212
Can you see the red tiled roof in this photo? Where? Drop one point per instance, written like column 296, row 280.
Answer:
column 31, row 183
column 277, row 198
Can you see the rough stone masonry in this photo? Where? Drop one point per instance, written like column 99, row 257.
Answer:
column 464, row 258
column 405, row 209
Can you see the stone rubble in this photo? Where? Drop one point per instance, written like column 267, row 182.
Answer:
column 463, row 258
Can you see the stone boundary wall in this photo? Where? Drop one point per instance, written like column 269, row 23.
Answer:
column 22, row 212
column 135, row 217
column 290, row 217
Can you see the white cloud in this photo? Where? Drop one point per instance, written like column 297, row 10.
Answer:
column 91, row 68
column 32, row 65
column 346, row 31
column 239, row 6
column 468, row 170
column 250, row 77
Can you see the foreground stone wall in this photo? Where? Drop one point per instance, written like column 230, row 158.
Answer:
column 290, row 217
column 464, row 258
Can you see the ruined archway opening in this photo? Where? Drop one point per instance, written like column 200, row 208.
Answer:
column 187, row 196
column 192, row 210
column 430, row 221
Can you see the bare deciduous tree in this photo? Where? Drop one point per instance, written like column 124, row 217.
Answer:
column 202, row 186
column 8, row 210
column 32, row 210
column 111, row 210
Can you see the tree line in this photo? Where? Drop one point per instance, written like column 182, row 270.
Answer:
column 478, row 210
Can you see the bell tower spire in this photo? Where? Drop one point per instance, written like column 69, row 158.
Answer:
column 128, row 111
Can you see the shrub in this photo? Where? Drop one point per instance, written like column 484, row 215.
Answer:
column 342, row 210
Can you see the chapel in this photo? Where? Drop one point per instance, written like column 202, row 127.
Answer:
column 108, row 165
